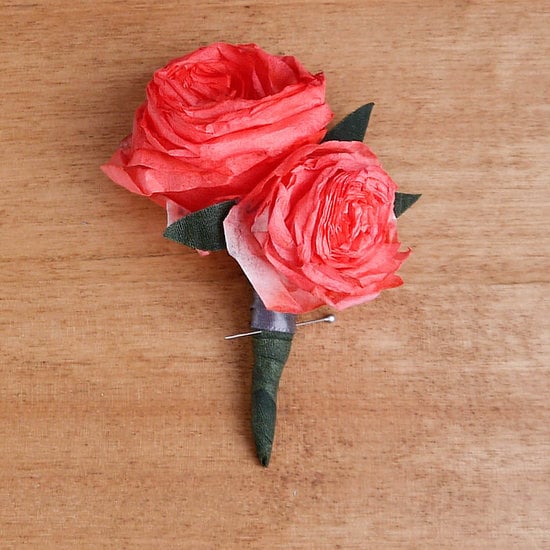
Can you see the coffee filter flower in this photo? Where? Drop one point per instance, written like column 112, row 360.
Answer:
column 320, row 230
column 215, row 122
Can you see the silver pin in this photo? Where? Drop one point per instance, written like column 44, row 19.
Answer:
column 327, row 319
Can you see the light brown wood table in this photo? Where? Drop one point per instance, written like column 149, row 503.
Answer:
column 419, row 420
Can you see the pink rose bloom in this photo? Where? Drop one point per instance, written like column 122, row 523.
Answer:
column 215, row 122
column 320, row 229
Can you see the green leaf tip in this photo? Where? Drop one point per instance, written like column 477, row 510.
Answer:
column 203, row 229
column 352, row 127
column 264, row 415
column 403, row 201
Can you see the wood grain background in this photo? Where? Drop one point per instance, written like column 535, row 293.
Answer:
column 417, row 421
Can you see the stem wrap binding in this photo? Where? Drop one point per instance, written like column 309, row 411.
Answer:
column 271, row 351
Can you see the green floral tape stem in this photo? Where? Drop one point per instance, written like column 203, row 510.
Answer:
column 271, row 351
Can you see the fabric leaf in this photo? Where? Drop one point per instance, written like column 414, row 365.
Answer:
column 403, row 201
column 352, row 127
column 203, row 229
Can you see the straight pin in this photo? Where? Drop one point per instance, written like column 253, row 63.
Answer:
column 327, row 319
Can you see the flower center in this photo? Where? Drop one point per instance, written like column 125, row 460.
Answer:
column 348, row 217
column 200, row 84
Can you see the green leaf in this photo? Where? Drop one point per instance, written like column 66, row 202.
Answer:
column 202, row 229
column 353, row 127
column 403, row 201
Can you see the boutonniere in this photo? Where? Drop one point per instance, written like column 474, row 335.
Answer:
column 230, row 141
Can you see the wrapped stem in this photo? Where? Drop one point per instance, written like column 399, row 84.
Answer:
column 271, row 351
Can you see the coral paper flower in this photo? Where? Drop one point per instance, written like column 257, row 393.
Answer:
column 215, row 122
column 319, row 230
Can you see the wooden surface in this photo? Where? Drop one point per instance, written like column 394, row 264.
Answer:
column 417, row 421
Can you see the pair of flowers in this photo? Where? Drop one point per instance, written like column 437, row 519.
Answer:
column 233, row 143
column 310, row 222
